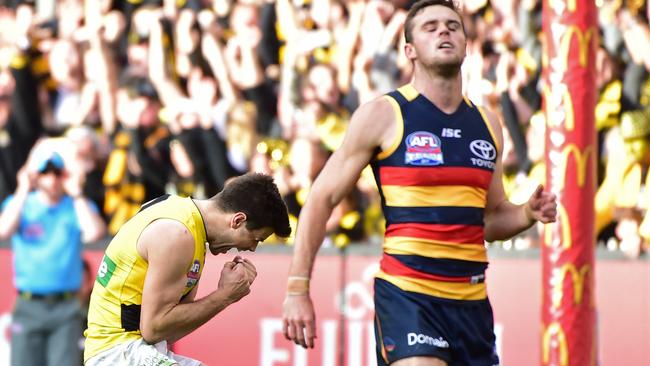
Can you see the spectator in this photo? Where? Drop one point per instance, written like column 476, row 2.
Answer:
column 139, row 165
column 88, row 155
column 47, row 226
column 20, row 120
column 619, row 198
column 211, row 79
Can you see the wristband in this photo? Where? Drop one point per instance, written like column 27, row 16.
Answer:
column 297, row 285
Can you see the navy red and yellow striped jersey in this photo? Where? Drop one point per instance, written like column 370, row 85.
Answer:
column 433, row 183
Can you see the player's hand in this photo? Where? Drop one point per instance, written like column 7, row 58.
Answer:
column 299, row 320
column 542, row 206
column 251, row 271
column 234, row 281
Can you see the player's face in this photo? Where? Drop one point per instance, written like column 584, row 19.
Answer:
column 241, row 239
column 438, row 39
column 249, row 239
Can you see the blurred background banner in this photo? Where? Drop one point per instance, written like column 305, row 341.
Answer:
column 251, row 333
column 568, row 301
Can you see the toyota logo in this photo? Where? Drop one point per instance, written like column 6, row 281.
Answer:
column 483, row 149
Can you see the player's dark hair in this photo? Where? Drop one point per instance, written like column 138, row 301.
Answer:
column 418, row 6
column 257, row 196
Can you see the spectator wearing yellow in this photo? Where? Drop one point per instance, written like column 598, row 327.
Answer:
column 623, row 196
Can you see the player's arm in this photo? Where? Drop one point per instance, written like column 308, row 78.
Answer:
column 341, row 172
column 503, row 219
column 168, row 248
column 190, row 295
column 368, row 128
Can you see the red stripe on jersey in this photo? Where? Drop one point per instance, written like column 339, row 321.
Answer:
column 438, row 176
column 394, row 267
column 461, row 234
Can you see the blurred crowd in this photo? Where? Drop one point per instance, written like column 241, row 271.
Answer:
column 146, row 97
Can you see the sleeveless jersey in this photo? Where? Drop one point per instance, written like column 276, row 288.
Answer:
column 114, row 312
column 433, row 183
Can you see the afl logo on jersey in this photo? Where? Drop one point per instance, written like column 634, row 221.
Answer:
column 423, row 148
column 193, row 274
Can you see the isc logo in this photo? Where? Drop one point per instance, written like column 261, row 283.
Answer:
column 451, row 132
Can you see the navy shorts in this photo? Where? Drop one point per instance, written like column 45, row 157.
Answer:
column 409, row 324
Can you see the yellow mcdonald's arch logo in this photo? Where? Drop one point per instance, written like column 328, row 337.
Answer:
column 567, row 102
column 578, row 280
column 565, row 226
column 581, row 159
column 555, row 329
column 584, row 39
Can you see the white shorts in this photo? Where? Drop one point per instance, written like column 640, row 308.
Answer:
column 140, row 353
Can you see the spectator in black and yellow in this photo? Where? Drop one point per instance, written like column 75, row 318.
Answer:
column 66, row 68
column 626, row 37
column 379, row 65
column 624, row 197
column 139, row 164
column 88, row 154
column 230, row 124
column 182, row 111
column 67, row 71
column 20, row 118
column 214, row 126
column 67, row 58
column 635, row 31
column 315, row 109
column 316, row 96
column 306, row 158
column 101, row 54
column 208, row 159
column 245, row 67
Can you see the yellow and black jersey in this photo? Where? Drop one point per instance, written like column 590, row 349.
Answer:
column 114, row 311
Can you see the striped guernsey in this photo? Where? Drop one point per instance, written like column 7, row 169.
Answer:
column 433, row 183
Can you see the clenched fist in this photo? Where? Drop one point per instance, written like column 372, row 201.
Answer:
column 236, row 278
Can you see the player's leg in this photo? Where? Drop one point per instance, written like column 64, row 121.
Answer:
column 476, row 342
column 184, row 361
column 407, row 331
column 136, row 352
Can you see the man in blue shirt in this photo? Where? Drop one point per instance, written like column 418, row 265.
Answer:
column 47, row 219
